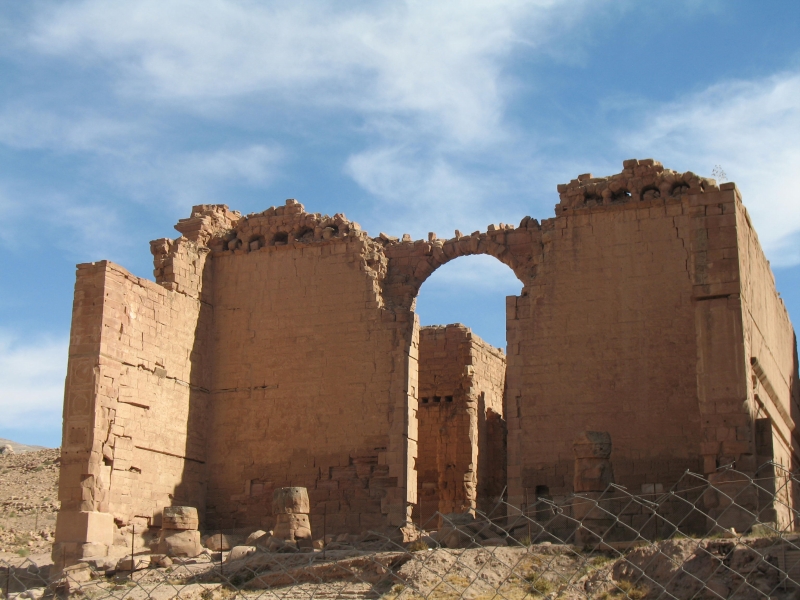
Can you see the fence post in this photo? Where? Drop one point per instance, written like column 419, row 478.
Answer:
column 133, row 538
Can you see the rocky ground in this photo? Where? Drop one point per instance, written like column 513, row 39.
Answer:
column 739, row 567
column 28, row 502
column 744, row 569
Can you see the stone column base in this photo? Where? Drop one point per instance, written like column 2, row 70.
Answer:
column 79, row 535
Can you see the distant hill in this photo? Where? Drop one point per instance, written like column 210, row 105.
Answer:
column 20, row 448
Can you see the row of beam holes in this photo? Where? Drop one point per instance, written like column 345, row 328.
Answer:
column 436, row 399
column 649, row 193
column 281, row 238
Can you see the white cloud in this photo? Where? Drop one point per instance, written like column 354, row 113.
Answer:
column 428, row 83
column 26, row 127
column 441, row 61
column 424, row 191
column 198, row 177
column 751, row 129
column 71, row 225
column 32, row 376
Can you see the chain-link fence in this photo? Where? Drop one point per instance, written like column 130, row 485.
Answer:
column 728, row 536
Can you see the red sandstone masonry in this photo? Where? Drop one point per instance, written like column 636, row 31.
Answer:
column 281, row 349
column 460, row 420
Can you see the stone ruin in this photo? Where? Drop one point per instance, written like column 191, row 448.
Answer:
column 281, row 349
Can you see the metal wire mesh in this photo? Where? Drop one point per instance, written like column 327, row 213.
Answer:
column 730, row 537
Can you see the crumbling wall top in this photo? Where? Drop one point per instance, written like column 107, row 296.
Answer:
column 459, row 331
column 207, row 220
column 283, row 226
column 645, row 179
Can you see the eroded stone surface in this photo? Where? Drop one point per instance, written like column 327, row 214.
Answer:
column 281, row 349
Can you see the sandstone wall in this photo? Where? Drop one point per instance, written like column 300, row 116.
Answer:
column 461, row 441
column 134, row 416
column 607, row 344
column 309, row 385
column 282, row 348
column 769, row 339
column 770, row 346
column 488, row 384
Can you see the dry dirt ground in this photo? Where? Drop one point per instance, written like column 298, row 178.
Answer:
column 686, row 568
column 28, row 503
column 682, row 568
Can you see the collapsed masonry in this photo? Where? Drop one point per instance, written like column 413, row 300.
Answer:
column 281, row 349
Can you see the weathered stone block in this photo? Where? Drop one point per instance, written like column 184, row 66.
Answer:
column 179, row 543
column 290, row 500
column 180, row 517
column 292, row 527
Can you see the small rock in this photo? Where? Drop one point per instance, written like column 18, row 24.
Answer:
column 6, row 450
column 253, row 537
column 164, row 561
column 79, row 573
column 270, row 543
column 218, row 542
column 318, row 544
column 133, row 564
column 239, row 552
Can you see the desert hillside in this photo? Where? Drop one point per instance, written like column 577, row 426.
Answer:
column 28, row 501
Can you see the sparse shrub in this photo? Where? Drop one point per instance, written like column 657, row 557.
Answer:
column 765, row 530
column 23, row 552
column 540, row 586
column 417, row 546
column 626, row 589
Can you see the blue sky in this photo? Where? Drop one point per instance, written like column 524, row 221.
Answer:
column 116, row 117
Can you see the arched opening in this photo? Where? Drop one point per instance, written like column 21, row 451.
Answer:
column 461, row 380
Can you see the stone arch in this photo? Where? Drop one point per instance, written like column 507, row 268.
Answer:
column 410, row 263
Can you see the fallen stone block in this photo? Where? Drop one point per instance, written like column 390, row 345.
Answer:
column 251, row 539
column 160, row 560
column 135, row 563
column 218, row 542
column 239, row 552
column 180, row 543
column 270, row 543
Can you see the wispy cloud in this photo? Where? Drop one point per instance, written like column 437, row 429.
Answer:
column 71, row 224
column 32, row 383
column 427, row 83
column 438, row 59
column 183, row 179
column 424, row 191
column 752, row 130
column 26, row 127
